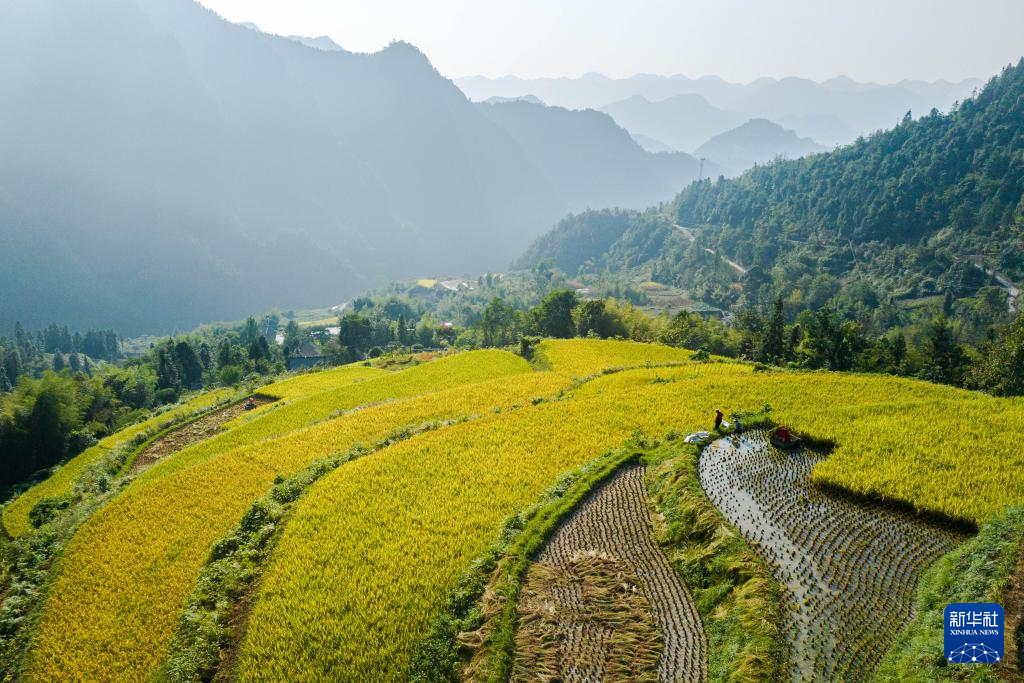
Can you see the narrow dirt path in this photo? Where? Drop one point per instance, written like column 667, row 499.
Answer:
column 607, row 544
column 849, row 571
column 194, row 432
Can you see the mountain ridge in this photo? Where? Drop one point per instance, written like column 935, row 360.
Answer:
column 220, row 169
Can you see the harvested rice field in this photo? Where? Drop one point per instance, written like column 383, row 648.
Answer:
column 572, row 628
column 849, row 570
column 195, row 431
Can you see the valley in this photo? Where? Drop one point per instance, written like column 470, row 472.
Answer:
column 490, row 342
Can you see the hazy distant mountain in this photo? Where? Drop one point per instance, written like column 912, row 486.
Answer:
column 828, row 129
column 932, row 194
column 522, row 98
column 832, row 112
column 588, row 159
column 652, row 145
column 682, row 122
column 160, row 166
column 320, row 43
column 755, row 142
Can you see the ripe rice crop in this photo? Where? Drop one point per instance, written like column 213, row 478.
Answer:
column 373, row 548
column 62, row 482
column 319, row 381
column 896, row 439
column 582, row 357
column 335, row 395
column 961, row 459
column 848, row 571
column 128, row 571
column 372, row 551
column 15, row 515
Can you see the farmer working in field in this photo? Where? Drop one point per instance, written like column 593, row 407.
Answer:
column 718, row 419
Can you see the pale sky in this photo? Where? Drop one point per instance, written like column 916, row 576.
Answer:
column 869, row 40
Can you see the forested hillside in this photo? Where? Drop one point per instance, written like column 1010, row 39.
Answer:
column 929, row 213
column 958, row 178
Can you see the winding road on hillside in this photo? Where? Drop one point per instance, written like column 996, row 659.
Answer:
column 688, row 233
column 1012, row 290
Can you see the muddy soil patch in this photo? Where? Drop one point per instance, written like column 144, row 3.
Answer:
column 849, row 571
column 195, row 431
column 600, row 590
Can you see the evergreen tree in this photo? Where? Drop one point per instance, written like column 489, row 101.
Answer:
column 225, row 356
column 74, row 363
column 167, row 375
column 946, row 361
column 65, row 340
column 828, row 341
column 899, row 351
column 402, row 329
column 58, row 362
column 592, row 318
column 250, row 330
column 87, row 366
column 498, row 323
column 5, row 383
column 947, row 303
column 189, row 366
column 13, row 365
column 292, row 337
column 1000, row 367
column 773, row 347
column 553, row 316
column 259, row 350
column 205, row 356
column 355, row 333
column 23, row 340
column 796, row 335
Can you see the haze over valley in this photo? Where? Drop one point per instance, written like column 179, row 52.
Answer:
column 222, row 169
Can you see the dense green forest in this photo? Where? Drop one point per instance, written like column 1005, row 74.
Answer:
column 60, row 392
column 958, row 178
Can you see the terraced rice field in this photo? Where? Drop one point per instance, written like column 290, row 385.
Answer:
column 580, row 358
column 195, row 431
column 849, row 570
column 129, row 570
column 608, row 537
column 585, row 620
column 62, row 482
column 369, row 555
